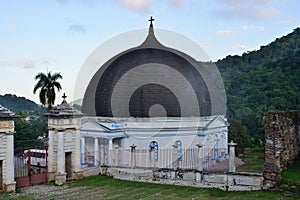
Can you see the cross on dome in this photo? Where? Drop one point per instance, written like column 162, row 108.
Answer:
column 151, row 21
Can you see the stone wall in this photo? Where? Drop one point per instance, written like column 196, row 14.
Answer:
column 282, row 137
column 225, row 181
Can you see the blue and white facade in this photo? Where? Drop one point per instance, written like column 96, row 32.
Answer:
column 103, row 136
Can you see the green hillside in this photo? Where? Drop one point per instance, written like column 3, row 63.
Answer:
column 30, row 124
column 260, row 81
column 18, row 104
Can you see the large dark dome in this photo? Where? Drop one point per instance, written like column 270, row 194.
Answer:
column 152, row 80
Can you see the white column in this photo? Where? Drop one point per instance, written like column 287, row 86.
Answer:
column 175, row 156
column 102, row 159
column 133, row 156
column 110, row 144
column 153, row 162
column 50, row 153
column 110, row 152
column 60, row 153
column 117, row 156
column 9, row 178
column 232, row 156
column 96, row 152
column 82, row 149
column 200, row 157
column 77, row 163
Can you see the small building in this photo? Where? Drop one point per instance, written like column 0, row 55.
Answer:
column 102, row 137
column 7, row 130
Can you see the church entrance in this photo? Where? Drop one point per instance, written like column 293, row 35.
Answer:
column 68, row 164
column 1, row 174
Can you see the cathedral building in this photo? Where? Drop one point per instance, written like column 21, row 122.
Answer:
column 151, row 97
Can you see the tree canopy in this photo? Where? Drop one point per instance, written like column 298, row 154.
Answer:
column 47, row 84
column 261, row 81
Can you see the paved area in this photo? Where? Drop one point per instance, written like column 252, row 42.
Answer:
column 85, row 193
column 63, row 192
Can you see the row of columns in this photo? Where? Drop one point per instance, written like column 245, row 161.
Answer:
column 97, row 154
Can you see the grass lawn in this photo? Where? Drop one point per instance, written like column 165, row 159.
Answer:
column 108, row 188
column 137, row 190
column 290, row 178
column 254, row 160
column 102, row 187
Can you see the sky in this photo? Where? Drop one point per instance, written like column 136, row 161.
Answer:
column 59, row 35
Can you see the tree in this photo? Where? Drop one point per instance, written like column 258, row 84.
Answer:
column 47, row 83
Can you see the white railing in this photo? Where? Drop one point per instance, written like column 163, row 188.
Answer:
column 211, row 159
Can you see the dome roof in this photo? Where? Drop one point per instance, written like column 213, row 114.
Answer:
column 152, row 80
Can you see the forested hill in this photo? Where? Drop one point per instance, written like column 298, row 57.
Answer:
column 260, row 81
column 17, row 104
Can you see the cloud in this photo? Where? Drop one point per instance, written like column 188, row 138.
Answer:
column 253, row 28
column 249, row 9
column 144, row 5
column 177, row 2
column 12, row 26
column 65, row 1
column 26, row 62
column 136, row 5
column 46, row 59
column 240, row 47
column 76, row 28
column 225, row 33
column 20, row 63
column 268, row 13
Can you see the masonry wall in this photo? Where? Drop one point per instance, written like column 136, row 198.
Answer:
column 224, row 181
column 282, row 144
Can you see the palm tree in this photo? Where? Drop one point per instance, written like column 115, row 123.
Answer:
column 47, row 84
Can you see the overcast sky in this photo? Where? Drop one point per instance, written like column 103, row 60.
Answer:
column 59, row 35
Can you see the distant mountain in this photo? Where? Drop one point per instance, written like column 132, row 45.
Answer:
column 260, row 81
column 77, row 104
column 17, row 104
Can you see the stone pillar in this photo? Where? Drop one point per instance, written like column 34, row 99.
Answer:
column 9, row 181
column 232, row 156
column 175, row 156
column 7, row 130
column 133, row 156
column 60, row 163
column 96, row 152
column 51, row 163
column 200, row 156
column 77, row 172
column 110, row 144
column 82, row 151
column 117, row 155
column 110, row 151
column 102, row 157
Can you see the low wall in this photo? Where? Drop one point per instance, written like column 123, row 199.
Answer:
column 282, row 145
column 194, row 178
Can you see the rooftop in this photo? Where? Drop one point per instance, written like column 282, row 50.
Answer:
column 6, row 113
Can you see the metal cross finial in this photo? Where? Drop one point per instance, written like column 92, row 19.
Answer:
column 151, row 21
column 64, row 96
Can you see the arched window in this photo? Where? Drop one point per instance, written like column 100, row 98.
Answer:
column 179, row 149
column 154, row 145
